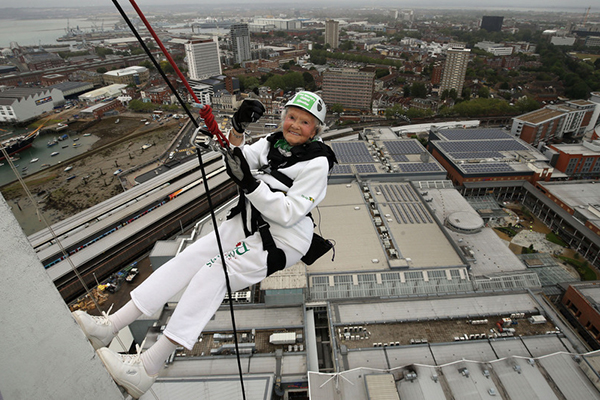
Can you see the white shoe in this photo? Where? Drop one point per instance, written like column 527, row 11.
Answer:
column 98, row 330
column 128, row 371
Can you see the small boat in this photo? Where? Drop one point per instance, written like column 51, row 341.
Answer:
column 75, row 139
column 76, row 145
column 70, row 167
column 34, row 160
column 87, row 134
column 117, row 121
column 65, row 146
column 63, row 137
column 52, row 142
column 54, row 154
column 24, row 168
column 72, row 177
column 45, row 165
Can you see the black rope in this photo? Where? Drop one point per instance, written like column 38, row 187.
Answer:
column 205, row 181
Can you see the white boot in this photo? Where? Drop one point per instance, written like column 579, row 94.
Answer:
column 98, row 330
column 128, row 371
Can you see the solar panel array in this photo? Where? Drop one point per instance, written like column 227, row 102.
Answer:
column 419, row 167
column 404, row 147
column 341, row 169
column 481, row 145
column 399, row 157
column 352, row 152
column 474, row 134
column 405, row 204
column 365, row 168
column 476, row 154
column 486, row 168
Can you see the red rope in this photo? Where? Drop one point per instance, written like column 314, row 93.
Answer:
column 206, row 111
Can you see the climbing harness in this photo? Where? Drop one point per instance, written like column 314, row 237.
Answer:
column 319, row 246
column 212, row 131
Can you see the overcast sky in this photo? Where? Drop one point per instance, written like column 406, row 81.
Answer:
column 573, row 5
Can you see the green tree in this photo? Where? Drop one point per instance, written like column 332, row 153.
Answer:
column 418, row 90
column 166, row 67
column 466, row 93
column 380, row 73
column 483, row 92
column 101, row 70
column 248, row 83
column 526, row 104
column 337, row 108
column 103, row 51
column 309, row 81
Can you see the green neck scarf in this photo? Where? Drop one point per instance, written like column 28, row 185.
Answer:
column 283, row 145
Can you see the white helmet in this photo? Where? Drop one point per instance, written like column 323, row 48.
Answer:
column 311, row 103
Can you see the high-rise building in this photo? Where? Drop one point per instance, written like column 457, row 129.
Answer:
column 332, row 35
column 492, row 24
column 455, row 69
column 349, row 87
column 240, row 40
column 203, row 58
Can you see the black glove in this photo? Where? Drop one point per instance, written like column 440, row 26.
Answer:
column 250, row 111
column 239, row 170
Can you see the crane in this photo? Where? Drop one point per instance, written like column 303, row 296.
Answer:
column 585, row 16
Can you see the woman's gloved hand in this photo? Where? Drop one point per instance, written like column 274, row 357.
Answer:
column 250, row 111
column 239, row 170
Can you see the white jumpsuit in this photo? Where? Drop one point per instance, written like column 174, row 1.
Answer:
column 199, row 266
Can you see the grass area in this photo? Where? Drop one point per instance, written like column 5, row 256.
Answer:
column 582, row 267
column 39, row 122
column 583, row 56
column 552, row 237
column 509, row 231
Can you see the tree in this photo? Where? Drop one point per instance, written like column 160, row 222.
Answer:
column 406, row 90
column 309, row 81
column 380, row 73
column 337, row 108
column 453, row 94
column 248, row 82
column 483, row 92
column 166, row 67
column 101, row 70
column 526, row 104
column 466, row 93
column 418, row 90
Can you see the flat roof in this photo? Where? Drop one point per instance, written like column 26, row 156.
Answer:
column 592, row 293
column 368, row 312
column 491, row 255
column 576, row 149
column 540, row 116
column 581, row 196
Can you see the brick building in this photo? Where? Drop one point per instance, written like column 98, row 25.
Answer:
column 129, row 76
column 552, row 123
column 581, row 302
column 159, row 95
column 577, row 160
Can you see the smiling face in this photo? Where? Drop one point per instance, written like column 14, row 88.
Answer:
column 299, row 126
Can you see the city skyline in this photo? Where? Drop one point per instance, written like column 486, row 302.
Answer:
column 574, row 6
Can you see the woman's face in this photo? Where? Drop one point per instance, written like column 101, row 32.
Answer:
column 299, row 126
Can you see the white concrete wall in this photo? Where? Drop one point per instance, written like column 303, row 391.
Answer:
column 43, row 353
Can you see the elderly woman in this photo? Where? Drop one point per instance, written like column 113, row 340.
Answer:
column 270, row 229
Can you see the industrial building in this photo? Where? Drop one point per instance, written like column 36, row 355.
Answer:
column 578, row 161
column 24, row 104
column 135, row 75
column 102, row 93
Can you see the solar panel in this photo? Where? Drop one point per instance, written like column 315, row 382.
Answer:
column 476, row 154
column 419, row 167
column 365, row 168
column 486, row 168
column 481, row 145
column 474, row 134
column 399, row 157
column 352, row 152
column 341, row 169
column 404, row 147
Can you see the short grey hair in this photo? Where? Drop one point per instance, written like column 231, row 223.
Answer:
column 320, row 126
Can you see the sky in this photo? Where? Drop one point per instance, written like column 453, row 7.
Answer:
column 573, row 5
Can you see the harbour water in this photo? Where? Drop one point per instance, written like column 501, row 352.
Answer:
column 45, row 31
column 43, row 153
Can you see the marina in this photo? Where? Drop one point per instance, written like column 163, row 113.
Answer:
column 40, row 155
